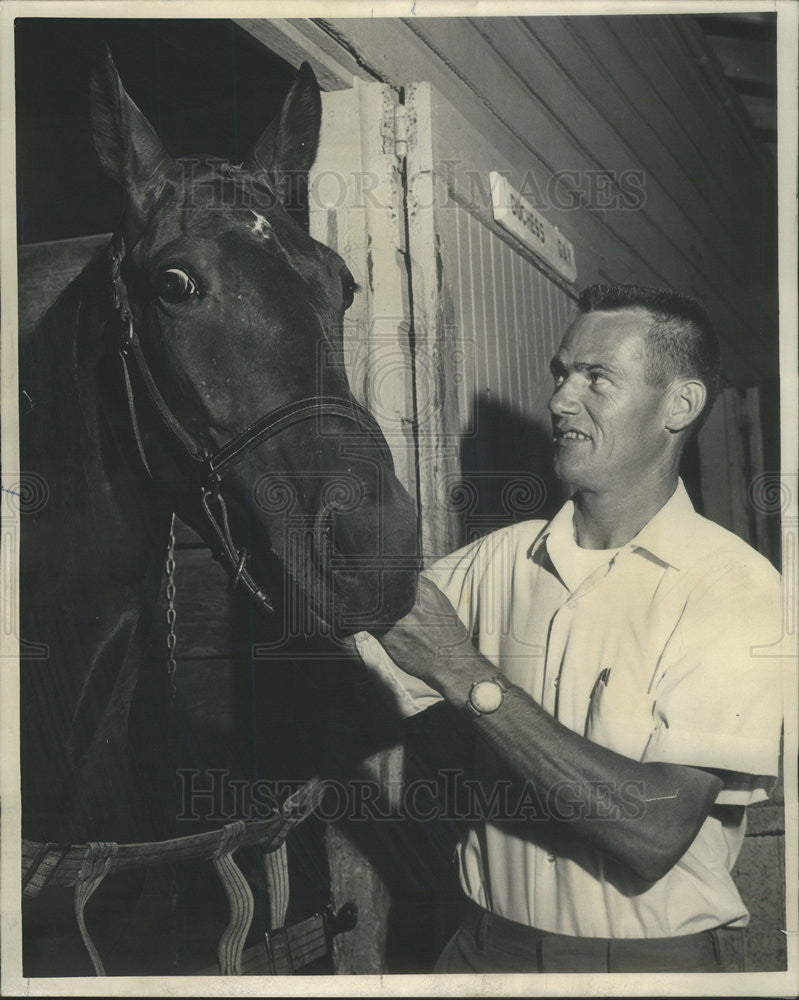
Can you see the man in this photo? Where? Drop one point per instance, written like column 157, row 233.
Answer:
column 609, row 659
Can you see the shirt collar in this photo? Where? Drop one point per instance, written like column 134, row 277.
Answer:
column 667, row 536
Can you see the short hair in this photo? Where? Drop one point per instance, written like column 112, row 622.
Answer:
column 680, row 343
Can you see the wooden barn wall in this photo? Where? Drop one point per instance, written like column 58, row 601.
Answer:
column 45, row 270
column 595, row 95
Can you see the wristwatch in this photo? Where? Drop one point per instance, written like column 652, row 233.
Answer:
column 486, row 696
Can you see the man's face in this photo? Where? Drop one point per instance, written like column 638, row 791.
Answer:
column 607, row 422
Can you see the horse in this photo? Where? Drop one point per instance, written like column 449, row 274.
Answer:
column 189, row 368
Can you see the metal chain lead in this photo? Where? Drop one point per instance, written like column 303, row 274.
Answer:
column 171, row 668
column 171, row 614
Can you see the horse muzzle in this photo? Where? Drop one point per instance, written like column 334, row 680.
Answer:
column 369, row 553
column 349, row 560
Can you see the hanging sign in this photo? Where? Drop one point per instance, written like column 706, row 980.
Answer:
column 515, row 214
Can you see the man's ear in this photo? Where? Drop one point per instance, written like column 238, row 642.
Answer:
column 685, row 400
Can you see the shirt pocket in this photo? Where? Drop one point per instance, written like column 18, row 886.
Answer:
column 620, row 714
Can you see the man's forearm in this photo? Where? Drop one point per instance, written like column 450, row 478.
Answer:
column 593, row 783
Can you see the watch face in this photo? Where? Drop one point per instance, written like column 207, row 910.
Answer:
column 487, row 696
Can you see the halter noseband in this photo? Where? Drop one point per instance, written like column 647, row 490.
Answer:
column 211, row 467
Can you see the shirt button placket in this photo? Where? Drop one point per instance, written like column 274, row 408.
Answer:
column 553, row 656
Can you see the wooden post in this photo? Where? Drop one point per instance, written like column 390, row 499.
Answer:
column 357, row 207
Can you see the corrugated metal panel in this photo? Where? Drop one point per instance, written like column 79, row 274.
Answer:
column 509, row 317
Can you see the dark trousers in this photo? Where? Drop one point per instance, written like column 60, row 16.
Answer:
column 487, row 943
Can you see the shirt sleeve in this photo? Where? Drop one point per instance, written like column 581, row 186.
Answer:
column 409, row 694
column 718, row 694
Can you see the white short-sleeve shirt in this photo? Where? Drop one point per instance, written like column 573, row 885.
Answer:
column 662, row 654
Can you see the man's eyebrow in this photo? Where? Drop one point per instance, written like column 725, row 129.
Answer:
column 558, row 367
column 597, row 366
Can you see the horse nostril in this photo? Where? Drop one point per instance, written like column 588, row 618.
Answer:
column 343, row 533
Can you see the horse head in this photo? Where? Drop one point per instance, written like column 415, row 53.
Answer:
column 228, row 321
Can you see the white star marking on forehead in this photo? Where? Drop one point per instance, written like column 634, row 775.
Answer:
column 261, row 227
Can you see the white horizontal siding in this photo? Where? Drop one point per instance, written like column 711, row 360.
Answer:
column 508, row 316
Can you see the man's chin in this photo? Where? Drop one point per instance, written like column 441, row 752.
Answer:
column 574, row 476
column 571, row 472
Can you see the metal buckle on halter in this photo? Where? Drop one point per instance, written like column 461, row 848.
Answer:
column 212, row 481
column 118, row 298
column 127, row 336
column 116, row 293
column 236, row 578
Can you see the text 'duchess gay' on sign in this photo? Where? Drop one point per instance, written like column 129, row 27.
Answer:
column 517, row 215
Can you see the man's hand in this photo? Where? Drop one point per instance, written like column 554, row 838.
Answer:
column 430, row 638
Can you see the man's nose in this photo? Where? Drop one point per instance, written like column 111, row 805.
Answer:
column 564, row 398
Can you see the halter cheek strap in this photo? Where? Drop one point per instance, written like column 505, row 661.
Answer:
column 208, row 467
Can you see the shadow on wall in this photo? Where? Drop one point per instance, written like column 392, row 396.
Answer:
column 506, row 471
column 690, row 470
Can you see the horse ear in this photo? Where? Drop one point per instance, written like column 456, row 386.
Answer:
column 287, row 147
column 126, row 143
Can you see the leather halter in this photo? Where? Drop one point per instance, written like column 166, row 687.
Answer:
column 211, row 466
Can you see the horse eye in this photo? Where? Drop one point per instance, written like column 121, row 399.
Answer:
column 174, row 285
column 349, row 287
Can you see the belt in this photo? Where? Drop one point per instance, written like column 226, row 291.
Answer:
column 567, row 953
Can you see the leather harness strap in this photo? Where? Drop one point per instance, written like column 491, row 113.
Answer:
column 84, row 866
column 276, row 869
column 95, row 868
column 60, row 864
column 240, row 901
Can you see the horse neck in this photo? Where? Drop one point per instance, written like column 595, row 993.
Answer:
column 91, row 558
column 96, row 487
